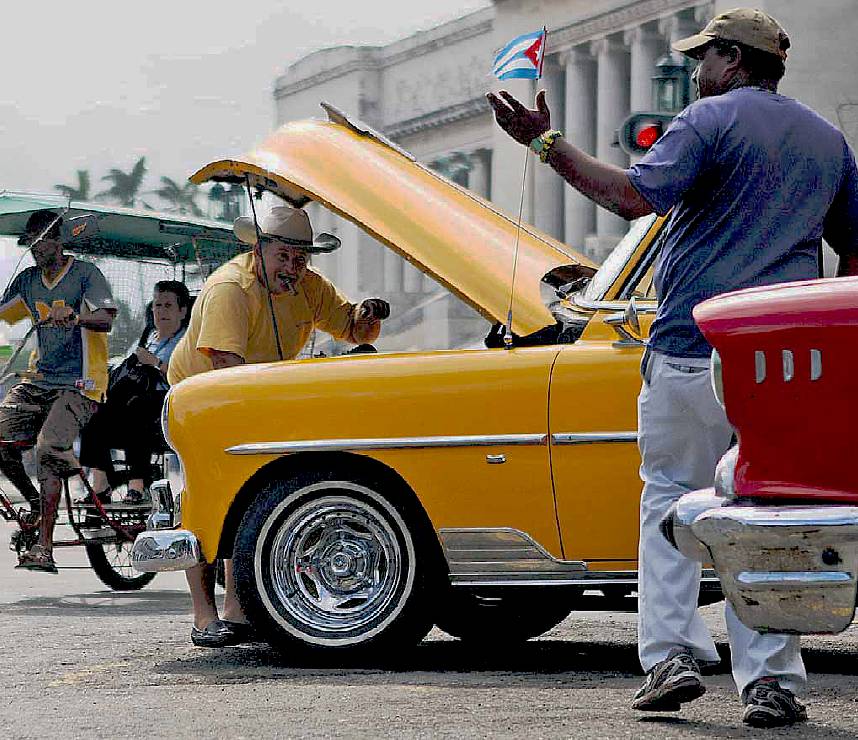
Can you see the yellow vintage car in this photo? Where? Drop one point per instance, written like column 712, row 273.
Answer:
column 366, row 498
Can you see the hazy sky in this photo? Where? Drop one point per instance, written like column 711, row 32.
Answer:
column 95, row 84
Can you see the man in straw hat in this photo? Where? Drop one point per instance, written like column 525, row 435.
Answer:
column 754, row 180
column 260, row 307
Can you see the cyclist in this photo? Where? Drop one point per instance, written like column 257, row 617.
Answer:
column 72, row 304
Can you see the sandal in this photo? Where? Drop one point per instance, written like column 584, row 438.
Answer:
column 37, row 558
column 103, row 498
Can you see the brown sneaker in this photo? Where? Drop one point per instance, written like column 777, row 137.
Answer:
column 768, row 704
column 670, row 683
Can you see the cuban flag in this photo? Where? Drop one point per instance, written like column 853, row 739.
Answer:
column 522, row 57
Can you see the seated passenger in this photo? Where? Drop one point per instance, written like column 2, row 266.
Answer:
column 131, row 422
column 72, row 303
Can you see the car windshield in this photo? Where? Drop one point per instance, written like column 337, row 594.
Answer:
column 617, row 259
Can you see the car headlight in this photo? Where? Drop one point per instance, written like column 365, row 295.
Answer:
column 716, row 374
column 725, row 473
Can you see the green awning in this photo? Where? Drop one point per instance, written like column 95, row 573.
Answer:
column 128, row 233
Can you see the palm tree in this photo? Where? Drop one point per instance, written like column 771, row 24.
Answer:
column 125, row 185
column 81, row 192
column 228, row 199
column 182, row 198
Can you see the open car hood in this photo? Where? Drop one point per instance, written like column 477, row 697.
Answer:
column 461, row 240
column 126, row 232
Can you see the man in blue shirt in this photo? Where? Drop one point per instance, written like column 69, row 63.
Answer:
column 753, row 180
column 72, row 306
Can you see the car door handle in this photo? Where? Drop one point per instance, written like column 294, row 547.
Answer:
column 495, row 459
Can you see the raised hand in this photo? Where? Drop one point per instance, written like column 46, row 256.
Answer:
column 520, row 123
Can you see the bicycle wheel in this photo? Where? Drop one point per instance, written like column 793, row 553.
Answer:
column 111, row 562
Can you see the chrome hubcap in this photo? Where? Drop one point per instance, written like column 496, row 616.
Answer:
column 336, row 564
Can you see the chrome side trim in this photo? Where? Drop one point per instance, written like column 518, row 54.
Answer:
column 591, row 438
column 767, row 579
column 760, row 365
column 481, row 556
column 581, row 302
column 504, row 556
column 815, row 364
column 789, row 365
column 388, row 443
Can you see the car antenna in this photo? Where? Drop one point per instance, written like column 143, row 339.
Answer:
column 259, row 254
column 507, row 335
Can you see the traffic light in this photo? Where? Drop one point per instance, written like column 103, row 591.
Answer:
column 641, row 130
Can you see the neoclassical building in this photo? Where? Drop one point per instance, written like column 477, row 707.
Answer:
column 427, row 92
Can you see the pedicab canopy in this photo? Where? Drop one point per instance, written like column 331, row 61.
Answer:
column 133, row 248
column 127, row 233
column 460, row 239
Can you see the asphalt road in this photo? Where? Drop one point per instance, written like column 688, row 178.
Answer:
column 79, row 661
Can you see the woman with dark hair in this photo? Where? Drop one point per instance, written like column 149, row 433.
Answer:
column 128, row 419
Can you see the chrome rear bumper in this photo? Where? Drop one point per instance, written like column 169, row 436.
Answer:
column 165, row 549
column 787, row 569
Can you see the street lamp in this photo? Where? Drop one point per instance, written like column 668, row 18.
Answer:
column 671, row 84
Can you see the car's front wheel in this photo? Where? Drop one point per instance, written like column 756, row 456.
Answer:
column 325, row 562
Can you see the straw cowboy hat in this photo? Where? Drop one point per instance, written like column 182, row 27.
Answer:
column 288, row 225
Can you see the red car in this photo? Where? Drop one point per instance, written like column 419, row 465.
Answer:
column 781, row 523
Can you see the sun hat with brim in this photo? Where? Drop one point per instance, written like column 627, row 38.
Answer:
column 747, row 26
column 288, row 225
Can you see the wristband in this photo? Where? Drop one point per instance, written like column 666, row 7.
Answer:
column 542, row 144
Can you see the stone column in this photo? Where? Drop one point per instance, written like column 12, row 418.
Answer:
column 548, row 185
column 580, row 130
column 682, row 24
column 348, row 258
column 646, row 46
column 479, row 178
column 392, row 271
column 437, row 323
column 612, row 106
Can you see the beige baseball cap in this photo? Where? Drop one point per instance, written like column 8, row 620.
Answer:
column 747, row 26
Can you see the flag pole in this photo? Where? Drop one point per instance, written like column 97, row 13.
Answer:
column 507, row 336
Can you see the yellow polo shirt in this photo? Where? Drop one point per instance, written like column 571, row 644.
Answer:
column 232, row 315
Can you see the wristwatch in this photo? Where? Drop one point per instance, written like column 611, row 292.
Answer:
column 542, row 144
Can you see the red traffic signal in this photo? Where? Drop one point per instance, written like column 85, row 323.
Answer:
column 641, row 130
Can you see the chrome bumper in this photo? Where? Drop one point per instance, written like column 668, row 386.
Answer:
column 786, row 569
column 165, row 549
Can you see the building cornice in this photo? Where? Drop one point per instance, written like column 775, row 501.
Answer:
column 614, row 21
column 393, row 56
column 451, row 114
column 374, row 58
column 367, row 59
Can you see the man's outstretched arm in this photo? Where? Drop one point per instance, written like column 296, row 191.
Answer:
column 606, row 184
